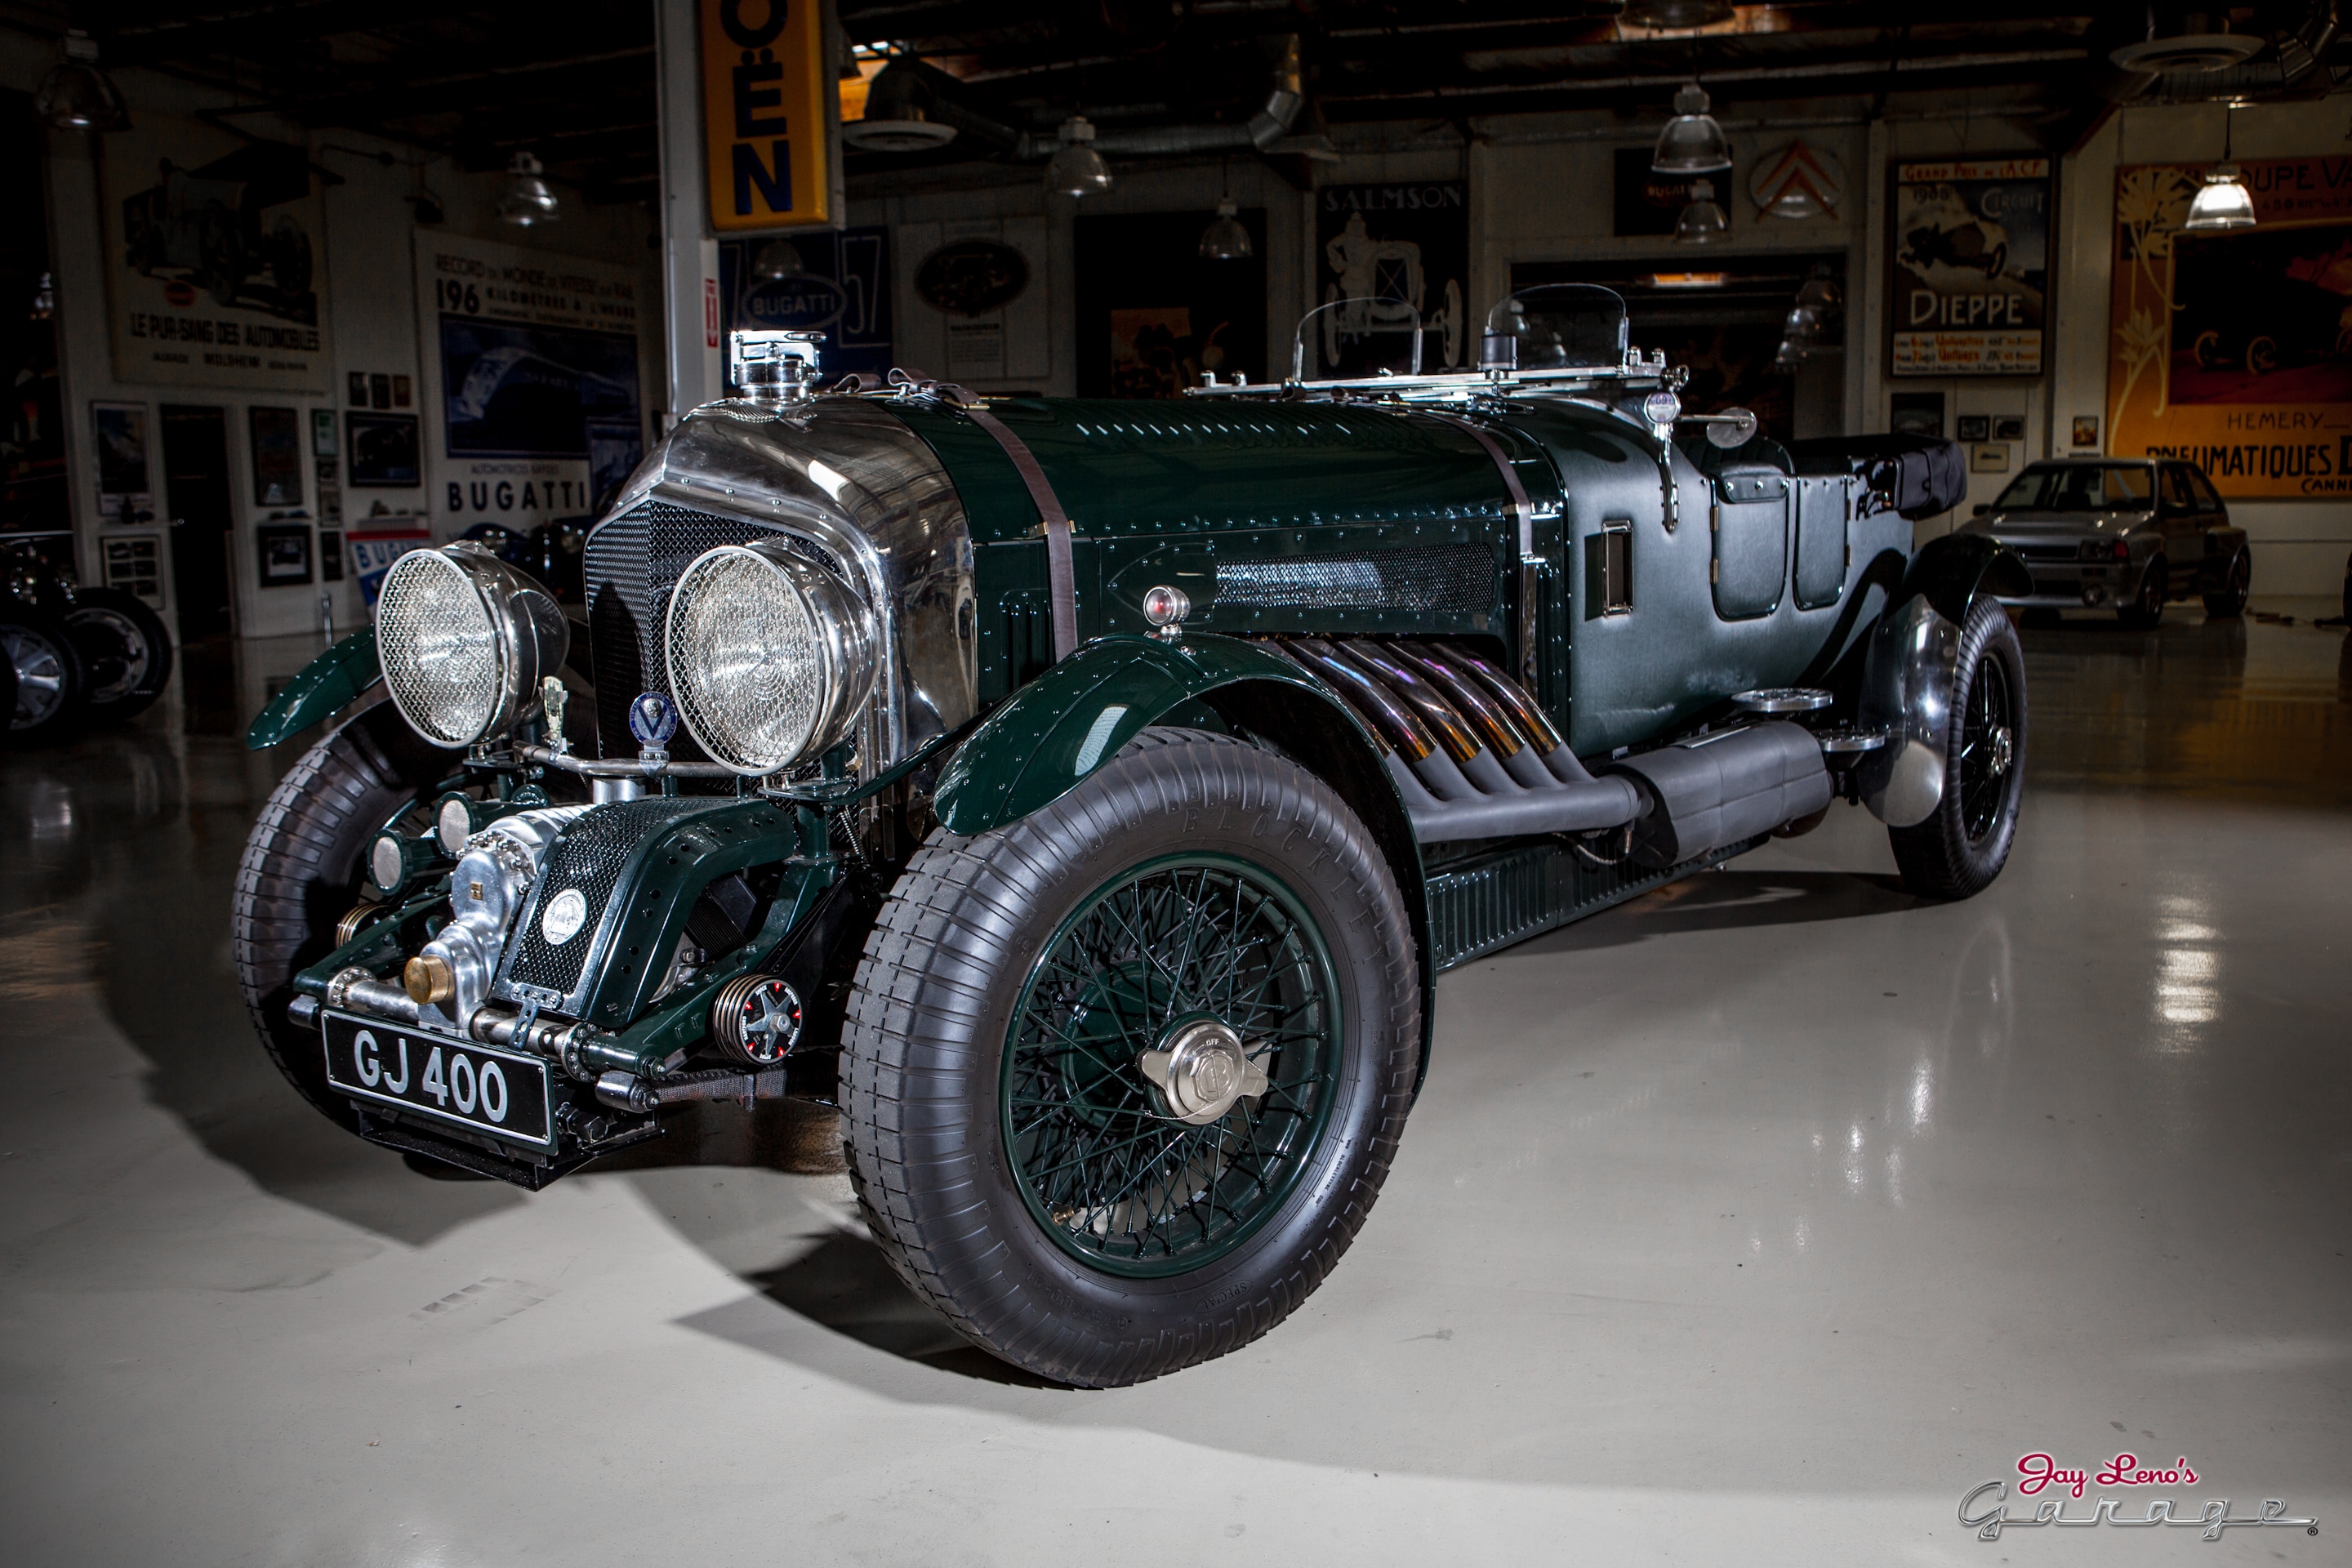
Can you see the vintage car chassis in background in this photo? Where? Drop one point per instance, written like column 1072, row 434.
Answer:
column 1084, row 796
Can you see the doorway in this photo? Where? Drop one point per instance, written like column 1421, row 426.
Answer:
column 196, row 484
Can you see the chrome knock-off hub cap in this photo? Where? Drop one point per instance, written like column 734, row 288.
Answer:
column 1202, row 1070
column 2004, row 750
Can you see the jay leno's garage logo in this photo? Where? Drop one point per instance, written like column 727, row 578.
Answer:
column 1985, row 1509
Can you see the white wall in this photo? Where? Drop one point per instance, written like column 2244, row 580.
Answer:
column 366, row 280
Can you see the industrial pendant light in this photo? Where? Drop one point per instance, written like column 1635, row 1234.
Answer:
column 527, row 200
column 1702, row 222
column 1226, row 238
column 777, row 260
column 1692, row 142
column 1676, row 15
column 77, row 95
column 1077, row 169
column 2224, row 202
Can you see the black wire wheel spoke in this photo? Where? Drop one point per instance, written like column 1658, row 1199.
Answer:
column 1122, row 1170
column 1987, row 749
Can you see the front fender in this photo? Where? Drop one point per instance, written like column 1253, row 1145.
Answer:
column 326, row 686
column 1068, row 722
column 1071, row 720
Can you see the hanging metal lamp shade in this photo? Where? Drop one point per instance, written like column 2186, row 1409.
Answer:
column 1077, row 169
column 2223, row 201
column 1226, row 238
column 1692, row 142
column 527, row 199
column 1703, row 222
column 78, row 96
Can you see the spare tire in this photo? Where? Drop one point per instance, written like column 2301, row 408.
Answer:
column 47, row 669
column 125, row 651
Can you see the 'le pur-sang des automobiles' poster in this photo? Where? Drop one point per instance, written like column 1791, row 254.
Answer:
column 531, row 381
column 215, row 259
column 1970, row 249
column 2233, row 348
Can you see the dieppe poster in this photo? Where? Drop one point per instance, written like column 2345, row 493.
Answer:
column 214, row 259
column 1970, row 251
column 532, row 381
column 2233, row 348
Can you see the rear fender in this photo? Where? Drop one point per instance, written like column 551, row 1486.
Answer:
column 1952, row 569
column 1065, row 726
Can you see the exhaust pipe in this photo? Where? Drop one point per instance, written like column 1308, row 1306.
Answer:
column 1465, row 759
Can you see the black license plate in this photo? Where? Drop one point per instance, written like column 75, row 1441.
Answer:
column 447, row 1079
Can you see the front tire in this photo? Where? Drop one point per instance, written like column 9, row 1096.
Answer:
column 2146, row 611
column 302, row 873
column 1030, row 1158
column 1958, row 850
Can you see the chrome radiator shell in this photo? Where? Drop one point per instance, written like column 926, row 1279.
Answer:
column 841, row 477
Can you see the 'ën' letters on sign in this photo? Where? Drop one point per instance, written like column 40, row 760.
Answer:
column 763, row 112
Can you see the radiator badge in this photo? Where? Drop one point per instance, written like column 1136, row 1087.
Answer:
column 566, row 913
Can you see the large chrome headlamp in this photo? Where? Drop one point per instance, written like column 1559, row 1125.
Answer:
column 465, row 640
column 770, row 654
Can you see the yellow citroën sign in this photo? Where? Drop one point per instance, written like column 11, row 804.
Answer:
column 763, row 112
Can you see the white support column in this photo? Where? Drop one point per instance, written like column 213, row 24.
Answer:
column 689, row 255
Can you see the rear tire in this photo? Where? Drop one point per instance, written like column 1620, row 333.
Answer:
column 998, row 1043
column 1958, row 850
column 302, row 874
column 50, row 676
column 2236, row 585
column 124, row 648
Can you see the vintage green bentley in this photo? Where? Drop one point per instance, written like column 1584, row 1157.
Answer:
column 1085, row 797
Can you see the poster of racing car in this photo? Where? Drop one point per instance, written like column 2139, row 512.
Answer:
column 533, row 375
column 214, row 260
column 1970, row 255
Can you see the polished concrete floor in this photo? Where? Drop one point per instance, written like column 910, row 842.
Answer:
column 1755, row 1222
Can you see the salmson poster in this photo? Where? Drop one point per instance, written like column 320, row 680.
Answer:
column 1970, row 251
column 2233, row 348
column 1387, row 256
column 531, row 381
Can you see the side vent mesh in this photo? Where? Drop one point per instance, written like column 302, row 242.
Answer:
column 1457, row 579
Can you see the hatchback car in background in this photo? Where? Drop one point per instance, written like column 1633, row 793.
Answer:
column 2126, row 532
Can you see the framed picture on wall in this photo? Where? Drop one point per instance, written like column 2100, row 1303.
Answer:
column 1154, row 315
column 330, row 555
column 276, row 456
column 283, row 550
column 384, row 451
column 1916, row 414
column 125, row 494
column 2086, row 429
column 1973, row 428
column 322, row 433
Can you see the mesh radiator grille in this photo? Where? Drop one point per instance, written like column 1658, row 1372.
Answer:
column 589, row 856
column 1445, row 579
column 631, row 565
